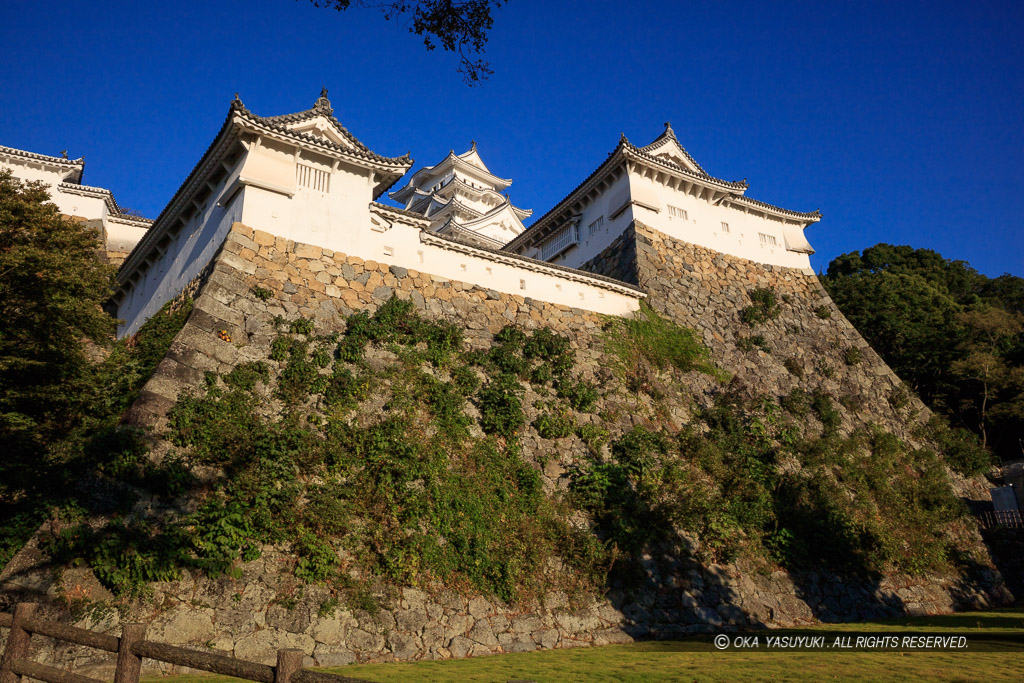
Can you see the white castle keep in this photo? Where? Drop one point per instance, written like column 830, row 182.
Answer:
column 305, row 178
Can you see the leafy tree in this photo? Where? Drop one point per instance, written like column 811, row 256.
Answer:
column 52, row 287
column 908, row 319
column 457, row 25
column 986, row 376
column 954, row 335
column 63, row 385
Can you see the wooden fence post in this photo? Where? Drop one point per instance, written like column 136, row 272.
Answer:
column 129, row 664
column 17, row 641
column 289, row 662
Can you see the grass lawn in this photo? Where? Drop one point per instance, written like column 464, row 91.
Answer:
column 662, row 660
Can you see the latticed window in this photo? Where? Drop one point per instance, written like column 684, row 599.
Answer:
column 768, row 240
column 313, row 178
column 725, row 227
column 595, row 226
column 677, row 212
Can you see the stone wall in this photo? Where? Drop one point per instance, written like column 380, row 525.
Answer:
column 266, row 609
column 806, row 346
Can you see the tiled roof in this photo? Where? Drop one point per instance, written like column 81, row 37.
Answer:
column 702, row 175
column 670, row 134
column 107, row 196
column 806, row 215
column 80, row 161
column 219, row 145
column 278, row 123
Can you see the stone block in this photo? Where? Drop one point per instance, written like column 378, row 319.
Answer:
column 262, row 646
column 411, row 620
column 308, row 251
column 460, row 647
column 327, row 658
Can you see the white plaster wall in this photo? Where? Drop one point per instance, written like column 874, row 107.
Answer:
column 308, row 215
column 703, row 226
column 123, row 235
column 90, row 208
column 340, row 220
column 591, row 245
column 404, row 245
column 184, row 258
column 70, row 204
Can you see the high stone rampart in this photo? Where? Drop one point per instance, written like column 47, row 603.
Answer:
column 693, row 286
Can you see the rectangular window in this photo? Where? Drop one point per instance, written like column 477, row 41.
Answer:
column 313, row 178
column 725, row 227
column 677, row 212
column 595, row 226
column 768, row 240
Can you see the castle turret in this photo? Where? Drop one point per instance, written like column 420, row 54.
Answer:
column 461, row 197
column 662, row 186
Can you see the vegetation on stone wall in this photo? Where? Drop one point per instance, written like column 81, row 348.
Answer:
column 389, row 452
column 751, row 480
column 954, row 335
column 413, row 490
column 764, row 306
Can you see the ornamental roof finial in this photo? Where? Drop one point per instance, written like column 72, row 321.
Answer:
column 64, row 153
column 323, row 104
column 668, row 129
column 472, row 145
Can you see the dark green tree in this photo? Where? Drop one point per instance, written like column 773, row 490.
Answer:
column 52, row 287
column 953, row 334
column 459, row 26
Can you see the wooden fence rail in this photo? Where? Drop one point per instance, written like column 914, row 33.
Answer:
column 131, row 648
column 1002, row 518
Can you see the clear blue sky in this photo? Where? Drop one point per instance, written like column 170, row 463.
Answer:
column 901, row 121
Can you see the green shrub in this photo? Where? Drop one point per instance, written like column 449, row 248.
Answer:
column 296, row 380
column 501, row 411
column 301, row 326
column 550, row 426
column 545, row 345
column 660, row 342
column 853, row 356
column 794, row 367
column 764, row 307
column 465, row 380
column 593, row 436
column 582, row 395
column 317, row 559
column 796, row 402
column 245, row 376
column 262, row 293
column 752, row 342
column 821, row 404
column 823, row 312
column 959, row 447
column 899, row 397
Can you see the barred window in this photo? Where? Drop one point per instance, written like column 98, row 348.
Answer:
column 313, row 178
